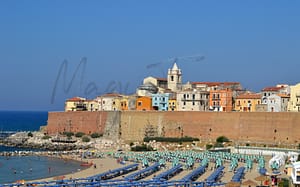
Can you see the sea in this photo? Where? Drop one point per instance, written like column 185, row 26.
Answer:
column 14, row 168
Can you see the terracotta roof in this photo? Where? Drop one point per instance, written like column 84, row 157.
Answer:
column 74, row 99
column 270, row 89
column 161, row 79
column 111, row 95
column 249, row 96
column 216, row 83
column 90, row 100
column 284, row 95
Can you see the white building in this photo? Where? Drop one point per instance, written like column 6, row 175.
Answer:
column 276, row 102
column 295, row 175
column 107, row 101
column 192, row 100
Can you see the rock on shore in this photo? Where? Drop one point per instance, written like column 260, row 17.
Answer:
column 36, row 141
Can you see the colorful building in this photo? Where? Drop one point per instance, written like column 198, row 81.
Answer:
column 144, row 103
column 160, row 101
column 221, row 100
column 92, row 105
column 76, row 104
column 294, row 103
column 247, row 102
column 173, row 102
column 124, row 103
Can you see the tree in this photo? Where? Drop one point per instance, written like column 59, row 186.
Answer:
column 222, row 139
column 79, row 134
column 85, row 139
column 30, row 134
column 96, row 135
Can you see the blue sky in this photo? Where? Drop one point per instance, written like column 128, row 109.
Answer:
column 111, row 43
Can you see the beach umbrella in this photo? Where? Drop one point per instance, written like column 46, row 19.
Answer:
column 249, row 182
column 260, row 178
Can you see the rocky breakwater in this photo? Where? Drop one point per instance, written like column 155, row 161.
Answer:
column 37, row 140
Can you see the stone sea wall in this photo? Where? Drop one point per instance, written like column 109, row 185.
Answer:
column 278, row 128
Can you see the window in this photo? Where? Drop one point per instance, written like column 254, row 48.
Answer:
column 193, row 96
column 193, row 103
column 172, row 78
column 140, row 103
column 184, row 103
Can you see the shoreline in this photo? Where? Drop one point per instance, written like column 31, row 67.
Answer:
column 109, row 162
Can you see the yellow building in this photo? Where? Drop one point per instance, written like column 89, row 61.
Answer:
column 294, row 103
column 124, row 103
column 92, row 105
column 116, row 104
column 76, row 104
column 247, row 102
column 172, row 105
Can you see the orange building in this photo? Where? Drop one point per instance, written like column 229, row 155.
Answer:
column 220, row 100
column 144, row 103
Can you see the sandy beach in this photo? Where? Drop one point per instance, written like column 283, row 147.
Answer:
column 108, row 163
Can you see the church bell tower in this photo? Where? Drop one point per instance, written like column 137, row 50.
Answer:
column 174, row 78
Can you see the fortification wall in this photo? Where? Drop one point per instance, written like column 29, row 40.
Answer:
column 238, row 126
column 134, row 125
column 87, row 122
